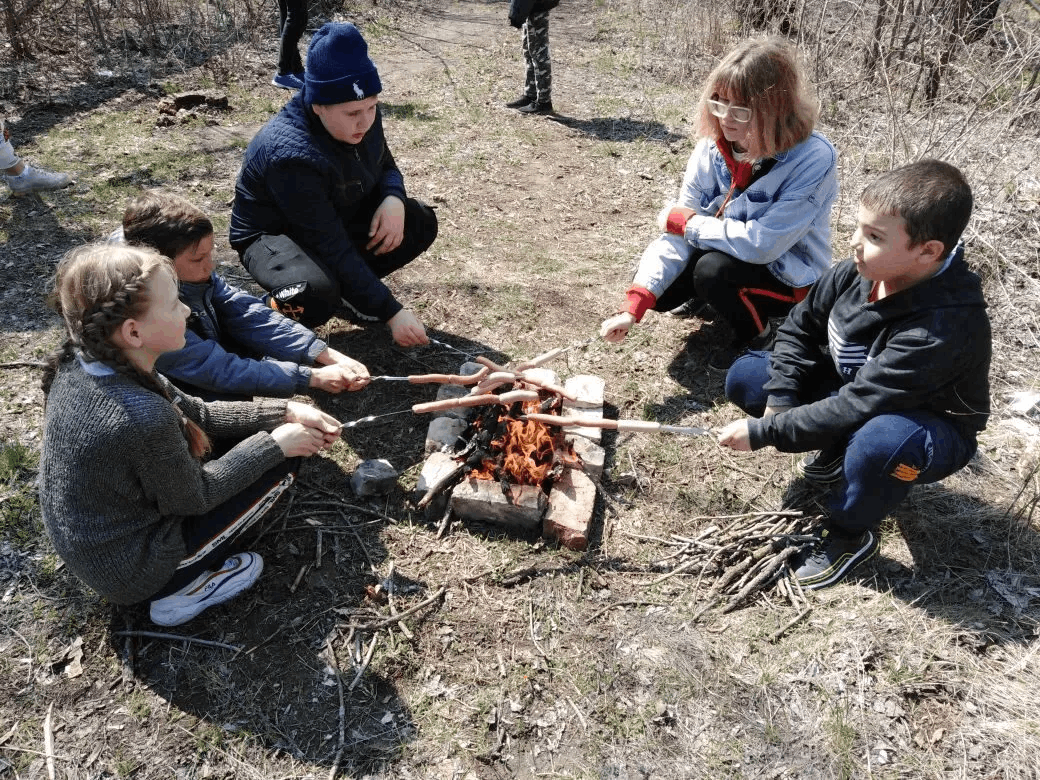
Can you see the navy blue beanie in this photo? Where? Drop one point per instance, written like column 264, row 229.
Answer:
column 338, row 68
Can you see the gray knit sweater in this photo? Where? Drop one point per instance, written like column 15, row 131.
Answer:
column 116, row 475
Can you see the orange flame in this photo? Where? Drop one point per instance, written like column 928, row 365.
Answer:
column 526, row 451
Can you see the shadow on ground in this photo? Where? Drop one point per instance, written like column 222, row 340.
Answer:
column 619, row 129
column 298, row 681
column 976, row 570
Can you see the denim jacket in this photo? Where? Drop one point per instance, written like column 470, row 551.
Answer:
column 782, row 220
column 236, row 345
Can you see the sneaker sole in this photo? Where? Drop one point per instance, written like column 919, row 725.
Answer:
column 231, row 587
column 841, row 568
column 821, row 476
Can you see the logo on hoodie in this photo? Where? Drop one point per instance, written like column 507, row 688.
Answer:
column 358, row 91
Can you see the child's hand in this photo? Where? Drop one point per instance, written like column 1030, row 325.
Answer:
column 325, row 425
column 340, row 376
column 736, row 436
column 407, row 330
column 298, row 441
column 387, row 228
column 614, row 329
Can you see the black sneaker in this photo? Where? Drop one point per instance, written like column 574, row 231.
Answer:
column 833, row 558
column 825, row 467
column 692, row 308
column 538, row 108
column 520, row 102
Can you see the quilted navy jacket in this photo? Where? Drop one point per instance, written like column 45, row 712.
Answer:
column 297, row 180
column 235, row 344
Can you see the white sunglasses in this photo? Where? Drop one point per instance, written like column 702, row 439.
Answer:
column 722, row 109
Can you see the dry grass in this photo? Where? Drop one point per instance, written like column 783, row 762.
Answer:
column 537, row 661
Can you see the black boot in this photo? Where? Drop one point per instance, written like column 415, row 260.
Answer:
column 537, row 108
column 520, row 102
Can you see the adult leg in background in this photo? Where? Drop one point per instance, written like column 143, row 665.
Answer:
column 538, row 79
column 292, row 16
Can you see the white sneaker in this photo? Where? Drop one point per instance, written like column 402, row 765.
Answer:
column 237, row 574
column 36, row 180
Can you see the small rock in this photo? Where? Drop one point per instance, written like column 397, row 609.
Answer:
column 373, row 478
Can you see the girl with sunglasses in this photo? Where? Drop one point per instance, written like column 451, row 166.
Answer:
column 750, row 231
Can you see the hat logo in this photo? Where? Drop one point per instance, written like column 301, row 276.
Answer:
column 358, row 91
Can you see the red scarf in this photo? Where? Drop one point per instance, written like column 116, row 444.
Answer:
column 740, row 172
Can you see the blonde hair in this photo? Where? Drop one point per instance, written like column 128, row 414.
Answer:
column 97, row 288
column 765, row 75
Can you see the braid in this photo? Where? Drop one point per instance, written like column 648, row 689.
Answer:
column 98, row 287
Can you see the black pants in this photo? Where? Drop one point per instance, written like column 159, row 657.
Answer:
column 308, row 290
column 292, row 22
column 209, row 538
column 746, row 295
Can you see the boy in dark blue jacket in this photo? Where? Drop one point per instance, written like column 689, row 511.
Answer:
column 884, row 367
column 320, row 213
column 235, row 345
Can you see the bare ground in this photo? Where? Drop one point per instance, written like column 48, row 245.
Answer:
column 535, row 662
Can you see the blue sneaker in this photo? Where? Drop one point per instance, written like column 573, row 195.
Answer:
column 210, row 588
column 293, row 81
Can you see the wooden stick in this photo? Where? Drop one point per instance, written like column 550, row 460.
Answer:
column 367, row 661
column 23, row 364
column 48, row 740
column 376, row 626
column 179, row 638
column 776, row 635
column 342, row 712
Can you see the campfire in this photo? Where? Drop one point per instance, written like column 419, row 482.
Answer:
column 507, row 465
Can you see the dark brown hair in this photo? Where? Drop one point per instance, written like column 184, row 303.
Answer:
column 763, row 74
column 167, row 223
column 97, row 288
column 932, row 198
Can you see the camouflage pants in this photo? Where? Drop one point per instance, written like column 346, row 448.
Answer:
column 538, row 81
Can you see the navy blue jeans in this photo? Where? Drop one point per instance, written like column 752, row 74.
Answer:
column 884, row 458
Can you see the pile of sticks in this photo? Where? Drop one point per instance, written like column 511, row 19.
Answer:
column 743, row 556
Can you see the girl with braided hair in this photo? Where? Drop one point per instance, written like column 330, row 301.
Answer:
column 128, row 499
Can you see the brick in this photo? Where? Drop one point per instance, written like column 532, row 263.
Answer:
column 373, row 478
column 436, row 466
column 592, row 455
column 571, row 504
column 541, row 374
column 588, row 390
column 482, row 500
column 443, row 431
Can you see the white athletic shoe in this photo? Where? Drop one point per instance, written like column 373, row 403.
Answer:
column 237, row 574
column 36, row 180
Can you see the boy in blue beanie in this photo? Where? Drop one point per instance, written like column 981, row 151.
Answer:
column 884, row 367
column 320, row 213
